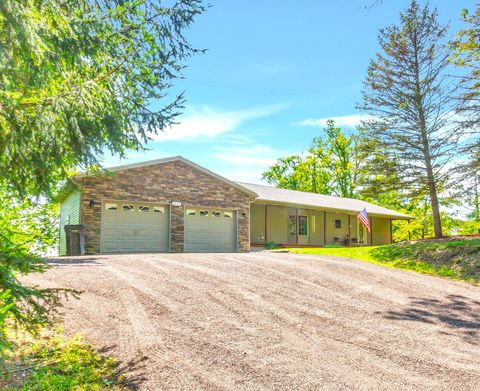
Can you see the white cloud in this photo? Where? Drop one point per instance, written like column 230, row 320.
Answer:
column 248, row 176
column 206, row 122
column 254, row 155
column 246, row 163
column 344, row 120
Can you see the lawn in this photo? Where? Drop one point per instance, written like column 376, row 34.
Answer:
column 52, row 361
column 453, row 258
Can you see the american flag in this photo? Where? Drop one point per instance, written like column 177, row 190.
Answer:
column 363, row 217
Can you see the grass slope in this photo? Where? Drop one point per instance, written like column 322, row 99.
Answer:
column 51, row 361
column 457, row 259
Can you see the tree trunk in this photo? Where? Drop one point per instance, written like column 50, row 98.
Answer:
column 432, row 188
column 437, row 222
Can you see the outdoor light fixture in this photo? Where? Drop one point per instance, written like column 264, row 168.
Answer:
column 92, row 203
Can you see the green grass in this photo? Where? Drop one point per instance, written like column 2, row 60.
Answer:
column 50, row 361
column 457, row 259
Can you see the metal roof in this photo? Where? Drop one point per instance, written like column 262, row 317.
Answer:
column 300, row 198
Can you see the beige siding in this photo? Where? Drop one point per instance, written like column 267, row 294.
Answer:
column 69, row 214
column 316, row 228
column 354, row 227
column 333, row 232
column 318, row 221
column 277, row 220
column 257, row 221
column 380, row 231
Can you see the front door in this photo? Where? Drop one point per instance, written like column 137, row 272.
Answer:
column 302, row 227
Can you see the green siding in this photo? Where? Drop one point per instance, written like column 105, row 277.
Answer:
column 69, row 214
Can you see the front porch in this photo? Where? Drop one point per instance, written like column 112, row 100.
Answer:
column 290, row 226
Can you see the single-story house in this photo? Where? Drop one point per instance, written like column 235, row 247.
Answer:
column 175, row 205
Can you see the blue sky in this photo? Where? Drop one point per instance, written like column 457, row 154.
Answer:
column 274, row 72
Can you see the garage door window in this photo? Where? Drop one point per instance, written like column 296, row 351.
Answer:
column 204, row 213
column 128, row 208
column 110, row 206
column 158, row 209
column 216, row 213
column 143, row 208
column 227, row 214
column 190, row 212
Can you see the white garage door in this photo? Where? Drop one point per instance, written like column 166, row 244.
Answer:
column 134, row 227
column 210, row 230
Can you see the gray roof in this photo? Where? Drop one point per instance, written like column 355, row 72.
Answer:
column 293, row 197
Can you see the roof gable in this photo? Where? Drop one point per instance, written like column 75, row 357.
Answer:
column 174, row 159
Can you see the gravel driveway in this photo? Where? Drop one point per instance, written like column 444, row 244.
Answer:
column 264, row 321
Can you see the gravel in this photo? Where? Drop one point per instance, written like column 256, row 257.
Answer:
column 266, row 321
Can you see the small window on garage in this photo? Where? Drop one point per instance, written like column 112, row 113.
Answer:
column 203, row 213
column 143, row 208
column 158, row 209
column 216, row 213
column 338, row 224
column 191, row 212
column 228, row 214
column 111, row 206
column 128, row 208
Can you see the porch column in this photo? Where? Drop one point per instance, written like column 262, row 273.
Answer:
column 265, row 224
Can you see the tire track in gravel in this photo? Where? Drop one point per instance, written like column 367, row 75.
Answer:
column 269, row 322
column 264, row 307
column 405, row 360
column 427, row 363
column 150, row 342
column 238, row 304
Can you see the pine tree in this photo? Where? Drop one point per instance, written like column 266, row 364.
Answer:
column 409, row 93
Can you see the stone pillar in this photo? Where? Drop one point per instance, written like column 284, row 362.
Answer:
column 243, row 230
column 177, row 227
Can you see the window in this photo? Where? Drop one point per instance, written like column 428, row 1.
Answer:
column 303, row 225
column 143, row 208
column 110, row 206
column 191, row 212
column 228, row 214
column 128, row 208
column 216, row 213
column 158, row 209
column 203, row 213
column 292, row 225
column 338, row 224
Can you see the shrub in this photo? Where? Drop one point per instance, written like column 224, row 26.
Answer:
column 271, row 245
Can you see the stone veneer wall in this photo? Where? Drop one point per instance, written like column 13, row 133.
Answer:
column 163, row 183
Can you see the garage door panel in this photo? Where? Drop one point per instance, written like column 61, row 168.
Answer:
column 209, row 230
column 139, row 230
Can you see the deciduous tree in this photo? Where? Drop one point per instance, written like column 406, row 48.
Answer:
column 329, row 166
column 467, row 55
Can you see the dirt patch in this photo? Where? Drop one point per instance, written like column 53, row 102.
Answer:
column 269, row 321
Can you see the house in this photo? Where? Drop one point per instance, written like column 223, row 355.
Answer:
column 175, row 205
